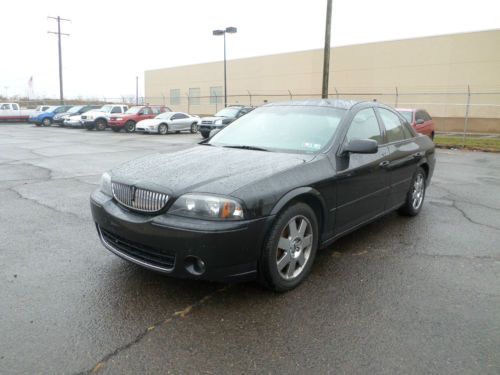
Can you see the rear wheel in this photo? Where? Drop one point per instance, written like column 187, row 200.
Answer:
column 290, row 248
column 46, row 121
column 100, row 124
column 205, row 134
column 130, row 126
column 194, row 128
column 416, row 194
column 163, row 129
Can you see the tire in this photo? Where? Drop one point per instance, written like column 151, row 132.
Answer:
column 194, row 128
column 162, row 129
column 46, row 121
column 279, row 268
column 116, row 129
column 100, row 124
column 130, row 126
column 416, row 194
column 205, row 134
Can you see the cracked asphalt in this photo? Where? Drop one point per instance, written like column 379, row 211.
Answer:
column 401, row 295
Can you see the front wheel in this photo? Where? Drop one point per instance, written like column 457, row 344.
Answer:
column 290, row 248
column 194, row 128
column 163, row 129
column 130, row 126
column 100, row 124
column 416, row 194
column 205, row 134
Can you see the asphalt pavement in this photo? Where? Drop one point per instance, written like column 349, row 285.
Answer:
column 399, row 296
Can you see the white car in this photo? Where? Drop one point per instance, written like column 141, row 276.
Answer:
column 169, row 122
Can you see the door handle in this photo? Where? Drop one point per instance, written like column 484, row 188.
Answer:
column 385, row 163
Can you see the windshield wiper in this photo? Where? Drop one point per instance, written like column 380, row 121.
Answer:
column 244, row 147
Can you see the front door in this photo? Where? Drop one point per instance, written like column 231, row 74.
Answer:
column 363, row 180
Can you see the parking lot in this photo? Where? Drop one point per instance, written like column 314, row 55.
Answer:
column 401, row 295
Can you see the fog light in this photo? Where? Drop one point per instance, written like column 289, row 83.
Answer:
column 194, row 265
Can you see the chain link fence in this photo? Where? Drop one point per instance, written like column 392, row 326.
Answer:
column 461, row 111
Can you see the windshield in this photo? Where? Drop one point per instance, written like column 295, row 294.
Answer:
column 228, row 112
column 408, row 115
column 75, row 109
column 302, row 129
column 106, row 108
column 165, row 115
column 133, row 110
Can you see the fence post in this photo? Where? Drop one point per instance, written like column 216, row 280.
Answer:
column 291, row 96
column 397, row 97
column 250, row 96
column 466, row 115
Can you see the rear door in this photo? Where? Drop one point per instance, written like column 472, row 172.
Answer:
column 404, row 154
column 362, row 179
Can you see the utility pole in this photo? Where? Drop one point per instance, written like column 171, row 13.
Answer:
column 58, row 33
column 136, row 90
column 326, row 56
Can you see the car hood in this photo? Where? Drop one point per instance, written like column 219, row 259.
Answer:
column 95, row 113
column 213, row 118
column 207, row 169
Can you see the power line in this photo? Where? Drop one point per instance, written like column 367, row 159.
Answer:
column 58, row 33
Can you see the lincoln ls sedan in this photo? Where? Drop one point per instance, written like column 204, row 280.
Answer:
column 258, row 199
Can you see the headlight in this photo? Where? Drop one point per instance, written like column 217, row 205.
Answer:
column 207, row 207
column 105, row 185
column 218, row 122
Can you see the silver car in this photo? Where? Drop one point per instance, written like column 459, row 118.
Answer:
column 169, row 122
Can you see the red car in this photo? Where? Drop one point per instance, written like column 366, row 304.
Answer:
column 420, row 120
column 135, row 114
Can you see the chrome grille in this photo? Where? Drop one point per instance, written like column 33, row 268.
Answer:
column 206, row 122
column 139, row 199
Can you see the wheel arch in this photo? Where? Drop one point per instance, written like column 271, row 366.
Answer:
column 309, row 196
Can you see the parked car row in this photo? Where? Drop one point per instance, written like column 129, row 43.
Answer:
column 162, row 120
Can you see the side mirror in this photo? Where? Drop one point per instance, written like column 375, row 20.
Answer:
column 361, row 146
column 420, row 121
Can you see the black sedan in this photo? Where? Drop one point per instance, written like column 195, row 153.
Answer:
column 258, row 199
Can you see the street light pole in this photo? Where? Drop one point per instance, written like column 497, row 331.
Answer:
column 230, row 30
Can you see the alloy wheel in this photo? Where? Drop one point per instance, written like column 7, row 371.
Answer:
column 294, row 247
column 418, row 191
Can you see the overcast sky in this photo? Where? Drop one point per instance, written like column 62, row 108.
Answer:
column 112, row 42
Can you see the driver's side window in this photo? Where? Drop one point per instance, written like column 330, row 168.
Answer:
column 364, row 125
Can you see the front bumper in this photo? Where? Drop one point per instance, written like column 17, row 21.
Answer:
column 116, row 124
column 74, row 124
column 164, row 243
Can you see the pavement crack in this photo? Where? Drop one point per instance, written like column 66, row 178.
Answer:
column 20, row 196
column 464, row 214
column 177, row 315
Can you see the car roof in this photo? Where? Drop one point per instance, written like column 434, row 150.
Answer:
column 335, row 103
